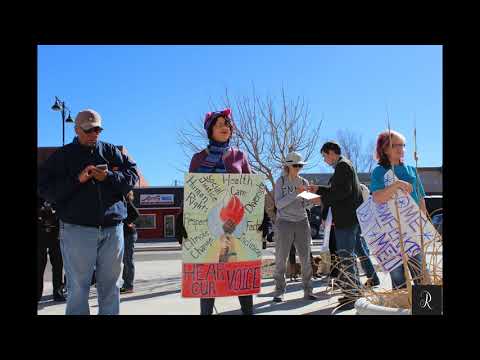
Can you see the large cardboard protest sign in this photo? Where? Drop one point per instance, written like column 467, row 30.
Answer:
column 222, row 255
column 380, row 227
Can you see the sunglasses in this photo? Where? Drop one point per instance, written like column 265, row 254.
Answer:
column 97, row 129
column 298, row 166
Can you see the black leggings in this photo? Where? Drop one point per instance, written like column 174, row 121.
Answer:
column 48, row 243
column 246, row 304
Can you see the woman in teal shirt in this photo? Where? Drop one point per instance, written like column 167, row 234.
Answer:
column 387, row 156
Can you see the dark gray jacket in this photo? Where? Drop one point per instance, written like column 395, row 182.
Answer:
column 343, row 194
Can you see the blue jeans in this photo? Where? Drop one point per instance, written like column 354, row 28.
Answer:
column 128, row 264
column 361, row 249
column 398, row 277
column 83, row 249
column 346, row 239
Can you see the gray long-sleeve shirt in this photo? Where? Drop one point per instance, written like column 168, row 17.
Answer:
column 289, row 207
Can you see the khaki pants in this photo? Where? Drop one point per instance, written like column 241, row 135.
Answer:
column 299, row 234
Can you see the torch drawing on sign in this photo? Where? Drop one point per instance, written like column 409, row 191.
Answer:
column 231, row 215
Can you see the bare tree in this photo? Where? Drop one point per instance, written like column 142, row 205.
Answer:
column 367, row 160
column 266, row 131
column 351, row 145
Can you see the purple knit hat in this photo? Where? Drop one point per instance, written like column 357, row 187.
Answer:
column 211, row 116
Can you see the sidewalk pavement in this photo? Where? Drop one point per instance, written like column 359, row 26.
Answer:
column 158, row 290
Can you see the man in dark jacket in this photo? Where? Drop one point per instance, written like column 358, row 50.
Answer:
column 130, row 238
column 47, row 232
column 87, row 180
column 344, row 196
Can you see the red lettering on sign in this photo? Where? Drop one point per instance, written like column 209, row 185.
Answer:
column 221, row 279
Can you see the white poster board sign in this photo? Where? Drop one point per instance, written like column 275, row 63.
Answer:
column 326, row 232
column 380, row 227
column 308, row 195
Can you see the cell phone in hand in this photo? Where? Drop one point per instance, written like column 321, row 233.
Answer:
column 102, row 167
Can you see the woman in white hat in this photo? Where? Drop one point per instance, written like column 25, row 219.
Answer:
column 292, row 225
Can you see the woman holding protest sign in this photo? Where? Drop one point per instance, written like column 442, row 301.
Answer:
column 220, row 157
column 390, row 151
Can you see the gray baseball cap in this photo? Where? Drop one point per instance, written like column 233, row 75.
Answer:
column 87, row 119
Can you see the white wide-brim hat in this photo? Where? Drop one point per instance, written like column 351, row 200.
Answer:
column 294, row 158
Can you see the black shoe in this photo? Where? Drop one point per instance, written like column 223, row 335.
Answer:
column 126, row 290
column 278, row 299
column 59, row 297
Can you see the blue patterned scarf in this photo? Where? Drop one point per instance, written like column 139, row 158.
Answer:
column 214, row 160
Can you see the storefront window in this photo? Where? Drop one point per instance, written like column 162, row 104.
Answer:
column 146, row 221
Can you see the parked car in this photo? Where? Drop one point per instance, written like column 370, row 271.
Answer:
column 437, row 221
column 433, row 203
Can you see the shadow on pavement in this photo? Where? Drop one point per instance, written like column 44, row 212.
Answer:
column 155, row 284
column 269, row 306
column 47, row 301
column 293, row 286
column 323, row 311
column 149, row 296
column 144, row 296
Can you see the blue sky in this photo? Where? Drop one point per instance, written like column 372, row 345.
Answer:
column 145, row 94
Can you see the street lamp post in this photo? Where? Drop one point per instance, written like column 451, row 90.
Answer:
column 60, row 106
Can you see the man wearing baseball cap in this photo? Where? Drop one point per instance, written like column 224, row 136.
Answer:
column 87, row 180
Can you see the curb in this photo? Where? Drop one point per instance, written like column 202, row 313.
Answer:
column 157, row 248
column 178, row 248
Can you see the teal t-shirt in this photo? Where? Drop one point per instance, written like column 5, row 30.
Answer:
column 402, row 172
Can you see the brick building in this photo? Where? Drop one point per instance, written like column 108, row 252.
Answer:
column 158, row 207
